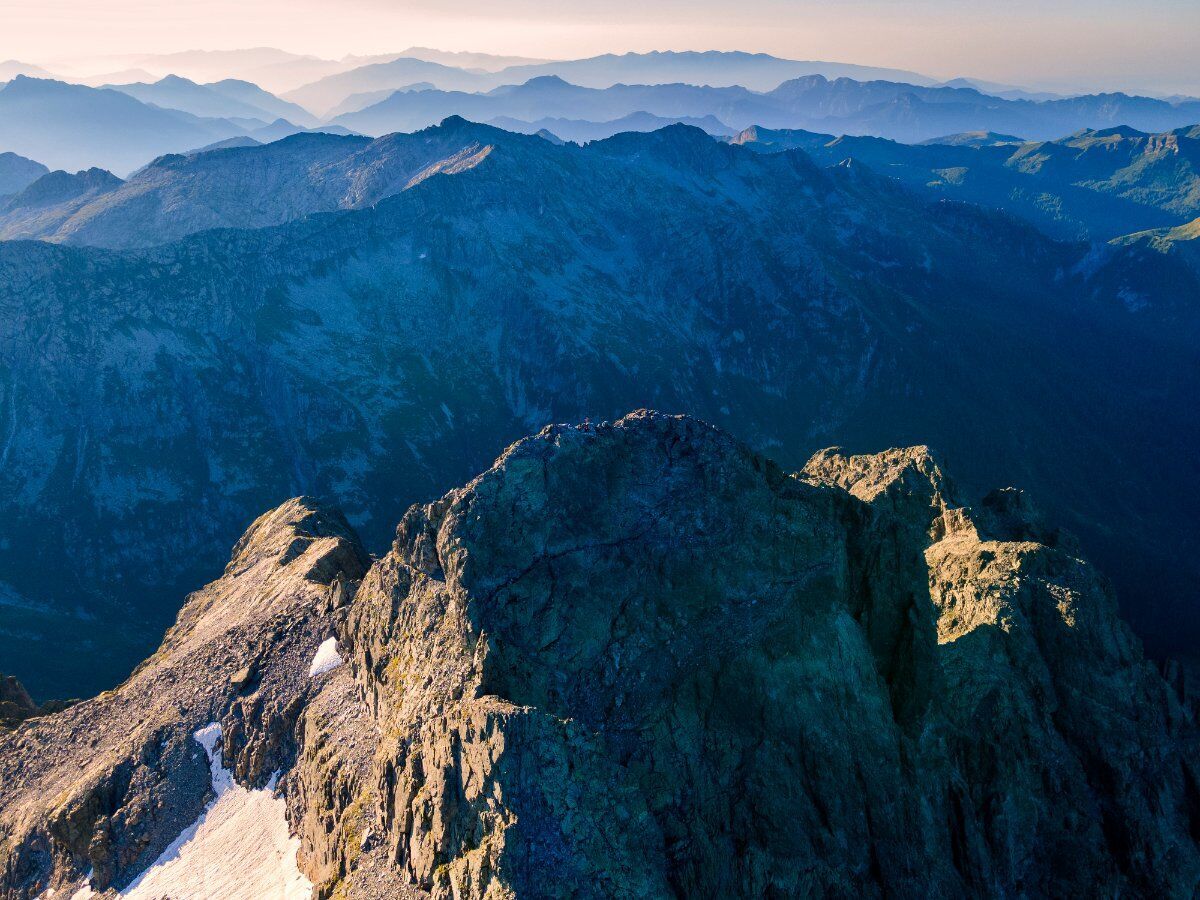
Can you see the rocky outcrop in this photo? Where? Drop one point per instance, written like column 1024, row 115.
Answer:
column 100, row 789
column 636, row 659
column 15, row 703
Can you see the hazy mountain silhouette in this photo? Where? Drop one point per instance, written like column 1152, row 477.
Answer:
column 11, row 68
column 355, row 102
column 220, row 99
column 273, row 69
column 581, row 131
column 887, row 109
column 17, row 173
column 1005, row 91
column 326, row 94
column 756, row 71
column 72, row 127
column 486, row 62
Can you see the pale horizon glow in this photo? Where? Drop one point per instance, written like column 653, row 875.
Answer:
column 1054, row 44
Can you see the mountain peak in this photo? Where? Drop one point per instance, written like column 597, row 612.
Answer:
column 458, row 126
column 58, row 187
column 679, row 146
column 178, row 80
column 32, row 85
column 621, row 631
column 547, row 81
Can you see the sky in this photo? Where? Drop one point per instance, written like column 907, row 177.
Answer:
column 1149, row 46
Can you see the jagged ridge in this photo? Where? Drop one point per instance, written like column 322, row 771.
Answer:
column 636, row 659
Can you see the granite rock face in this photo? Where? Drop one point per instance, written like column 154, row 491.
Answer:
column 638, row 660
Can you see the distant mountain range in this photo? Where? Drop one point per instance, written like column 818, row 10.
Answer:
column 272, row 69
column 899, row 111
column 227, row 99
column 73, row 127
column 10, row 69
column 152, row 401
column 278, row 70
column 234, row 187
column 17, row 173
column 1004, row 91
column 482, row 62
column 326, row 94
column 1092, row 185
column 581, row 131
column 386, row 94
column 755, row 71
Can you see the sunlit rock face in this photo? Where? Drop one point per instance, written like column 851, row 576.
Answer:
column 636, row 659
column 136, row 788
column 639, row 660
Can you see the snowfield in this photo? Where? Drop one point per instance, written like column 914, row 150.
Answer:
column 239, row 849
column 326, row 660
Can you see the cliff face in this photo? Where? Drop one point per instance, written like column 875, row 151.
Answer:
column 636, row 659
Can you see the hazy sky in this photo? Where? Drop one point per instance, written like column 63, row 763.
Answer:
column 1148, row 45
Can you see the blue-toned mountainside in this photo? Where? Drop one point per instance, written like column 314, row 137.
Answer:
column 121, row 127
column 248, row 187
column 74, row 127
column 45, row 205
column 17, row 173
column 1091, row 185
column 755, row 71
column 69, row 126
column 229, row 98
column 581, row 131
column 1088, row 186
column 153, row 401
column 896, row 110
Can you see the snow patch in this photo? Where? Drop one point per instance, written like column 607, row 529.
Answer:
column 239, row 849
column 326, row 660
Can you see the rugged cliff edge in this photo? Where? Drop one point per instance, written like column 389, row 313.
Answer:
column 637, row 660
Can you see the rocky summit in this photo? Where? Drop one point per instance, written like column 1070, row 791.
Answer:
column 632, row 660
